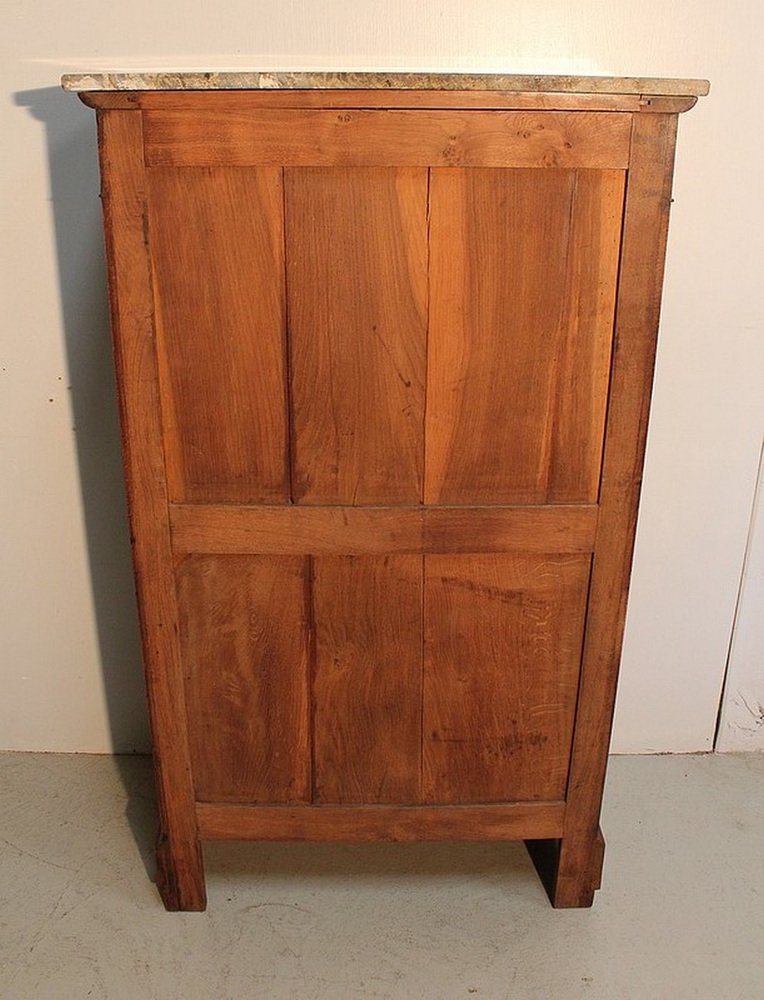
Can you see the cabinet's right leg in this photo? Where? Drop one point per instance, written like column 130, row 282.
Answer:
column 180, row 874
column 570, row 871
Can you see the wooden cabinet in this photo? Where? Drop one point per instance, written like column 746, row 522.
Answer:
column 384, row 361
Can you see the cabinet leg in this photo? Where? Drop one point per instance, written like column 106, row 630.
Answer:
column 180, row 874
column 569, row 869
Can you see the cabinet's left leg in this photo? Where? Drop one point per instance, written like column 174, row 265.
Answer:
column 570, row 869
column 180, row 874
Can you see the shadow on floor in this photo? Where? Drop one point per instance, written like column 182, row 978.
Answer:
column 506, row 861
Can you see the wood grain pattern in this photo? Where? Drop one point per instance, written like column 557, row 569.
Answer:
column 520, row 333
column 367, row 681
column 180, row 873
column 296, row 530
column 244, row 640
column 217, row 247
column 357, row 286
column 637, row 314
column 506, row 529
column 253, row 100
column 363, row 345
column 367, row 824
column 503, row 637
column 361, row 138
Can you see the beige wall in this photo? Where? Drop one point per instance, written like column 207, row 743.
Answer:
column 741, row 726
column 68, row 652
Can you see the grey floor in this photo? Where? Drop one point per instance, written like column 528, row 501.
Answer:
column 680, row 914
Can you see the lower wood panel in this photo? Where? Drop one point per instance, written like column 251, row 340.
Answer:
column 503, row 637
column 244, row 644
column 405, row 678
column 363, row 824
column 367, row 679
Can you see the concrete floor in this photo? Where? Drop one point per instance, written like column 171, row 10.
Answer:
column 680, row 914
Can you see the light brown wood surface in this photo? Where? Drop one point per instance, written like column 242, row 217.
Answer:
column 392, row 138
column 503, row 640
column 253, row 100
column 217, row 249
column 244, row 639
column 357, row 299
column 365, row 824
column 367, row 681
column 342, row 530
column 519, row 333
column 180, row 872
column 637, row 313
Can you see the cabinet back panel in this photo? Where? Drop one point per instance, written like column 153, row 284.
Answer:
column 382, row 527
column 357, row 293
column 244, row 637
column 523, row 268
column 379, row 337
column 217, row 252
column 503, row 636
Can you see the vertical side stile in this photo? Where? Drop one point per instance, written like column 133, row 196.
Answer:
column 180, row 876
column 574, row 872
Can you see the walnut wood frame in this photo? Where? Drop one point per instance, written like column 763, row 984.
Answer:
column 563, row 837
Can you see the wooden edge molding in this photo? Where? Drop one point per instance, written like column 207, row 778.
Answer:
column 666, row 105
column 223, row 101
column 304, row 530
column 367, row 823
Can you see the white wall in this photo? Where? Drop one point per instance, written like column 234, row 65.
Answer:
column 68, row 650
column 741, row 726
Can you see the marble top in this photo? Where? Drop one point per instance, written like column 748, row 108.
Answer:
column 648, row 86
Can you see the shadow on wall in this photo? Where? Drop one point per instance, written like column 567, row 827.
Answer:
column 74, row 191
column 74, row 188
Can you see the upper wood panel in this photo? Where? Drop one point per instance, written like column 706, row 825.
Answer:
column 216, row 239
column 523, row 268
column 357, row 287
column 293, row 137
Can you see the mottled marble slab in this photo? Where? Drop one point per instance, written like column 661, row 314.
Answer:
column 648, row 86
